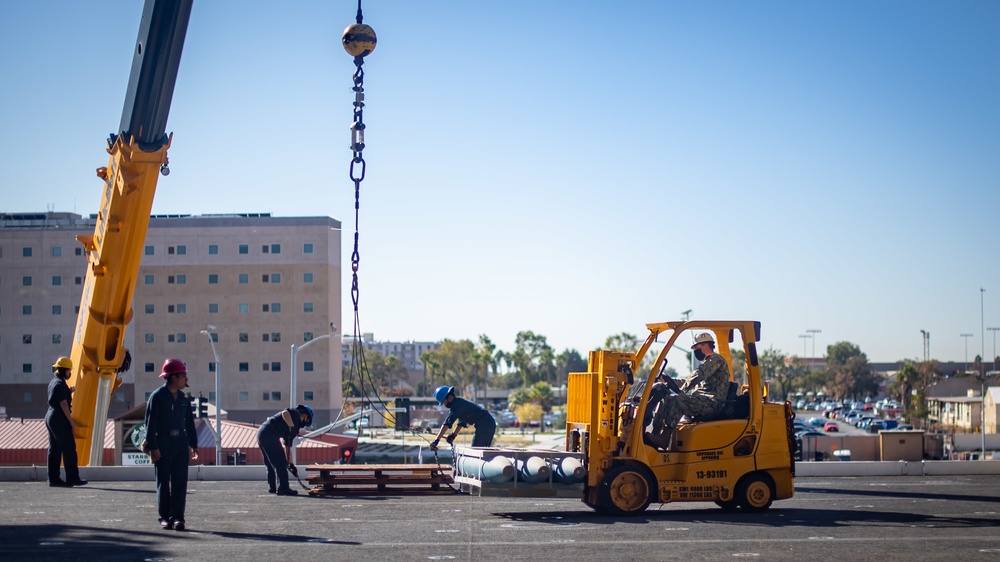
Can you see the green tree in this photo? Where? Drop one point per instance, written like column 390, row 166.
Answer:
column 623, row 342
column 848, row 373
column 569, row 361
column 776, row 372
column 533, row 357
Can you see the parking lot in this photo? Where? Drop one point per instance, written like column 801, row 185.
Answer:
column 864, row 518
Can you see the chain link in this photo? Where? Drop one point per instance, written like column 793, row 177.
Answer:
column 357, row 171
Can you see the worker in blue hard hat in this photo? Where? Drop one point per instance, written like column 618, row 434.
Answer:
column 465, row 413
column 283, row 426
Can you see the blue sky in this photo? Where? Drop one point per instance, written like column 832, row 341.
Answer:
column 577, row 169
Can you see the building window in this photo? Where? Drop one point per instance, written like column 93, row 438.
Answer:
column 307, row 307
column 213, row 308
column 26, row 252
column 149, row 367
column 171, row 279
column 26, row 338
column 275, row 278
column 244, row 337
column 56, row 309
column 275, row 248
column 148, row 338
column 244, row 308
column 56, row 251
column 276, row 396
column 244, row 278
column 265, row 278
column 170, row 338
column 275, row 337
column 57, row 339
column 182, row 250
column 267, row 396
column 213, row 278
column 244, row 396
column 26, row 398
column 244, row 367
column 244, row 248
column 215, row 337
column 149, row 279
column 148, row 250
column 307, row 395
column 78, row 251
column 307, row 366
column 182, row 279
column 213, row 249
column 78, row 280
column 275, row 367
column 263, row 249
column 170, row 250
column 26, row 280
column 182, row 338
column 25, row 367
column 275, row 307
column 265, row 307
column 26, row 310
column 170, row 309
column 211, row 366
column 182, row 309
column 150, row 308
column 56, row 281
column 307, row 248
column 307, row 277
column 265, row 366
column 307, row 336
column 267, row 337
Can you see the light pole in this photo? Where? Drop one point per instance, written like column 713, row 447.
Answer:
column 966, row 338
column 927, row 344
column 687, row 316
column 994, row 330
column 218, row 397
column 813, row 336
column 295, row 353
column 804, row 337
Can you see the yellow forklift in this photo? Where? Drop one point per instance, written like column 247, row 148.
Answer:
column 742, row 457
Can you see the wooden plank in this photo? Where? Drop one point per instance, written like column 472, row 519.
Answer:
column 364, row 467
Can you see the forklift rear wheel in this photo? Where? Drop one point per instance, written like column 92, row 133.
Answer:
column 755, row 492
column 625, row 490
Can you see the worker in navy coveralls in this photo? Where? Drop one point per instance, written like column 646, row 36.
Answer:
column 172, row 442
column 465, row 413
column 283, row 426
column 62, row 445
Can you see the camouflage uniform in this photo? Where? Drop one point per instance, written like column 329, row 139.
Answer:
column 704, row 393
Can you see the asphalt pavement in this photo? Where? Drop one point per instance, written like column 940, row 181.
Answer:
column 854, row 518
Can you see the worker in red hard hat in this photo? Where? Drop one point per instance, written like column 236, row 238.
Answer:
column 172, row 442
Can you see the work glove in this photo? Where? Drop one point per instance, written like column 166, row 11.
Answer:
column 295, row 471
column 434, row 444
column 450, row 439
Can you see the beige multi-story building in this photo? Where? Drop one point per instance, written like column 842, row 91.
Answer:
column 255, row 285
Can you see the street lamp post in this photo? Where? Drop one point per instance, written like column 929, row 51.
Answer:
column 218, row 397
column 966, row 338
column 812, row 334
column 804, row 338
column 994, row 330
column 295, row 353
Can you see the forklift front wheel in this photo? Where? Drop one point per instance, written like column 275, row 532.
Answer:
column 625, row 490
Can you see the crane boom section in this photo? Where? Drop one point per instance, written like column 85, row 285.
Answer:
column 114, row 252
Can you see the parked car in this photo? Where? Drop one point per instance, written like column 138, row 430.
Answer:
column 831, row 426
column 816, row 421
column 809, row 433
column 506, row 419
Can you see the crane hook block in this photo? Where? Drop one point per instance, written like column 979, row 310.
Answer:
column 359, row 40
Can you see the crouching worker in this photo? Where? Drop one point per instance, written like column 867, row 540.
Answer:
column 283, row 426
column 465, row 413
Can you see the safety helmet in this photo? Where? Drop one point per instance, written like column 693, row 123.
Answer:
column 63, row 363
column 303, row 409
column 442, row 392
column 703, row 338
column 172, row 367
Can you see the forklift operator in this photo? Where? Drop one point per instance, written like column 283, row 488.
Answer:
column 703, row 393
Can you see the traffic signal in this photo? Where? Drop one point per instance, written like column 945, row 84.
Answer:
column 403, row 418
column 346, row 455
column 202, row 407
